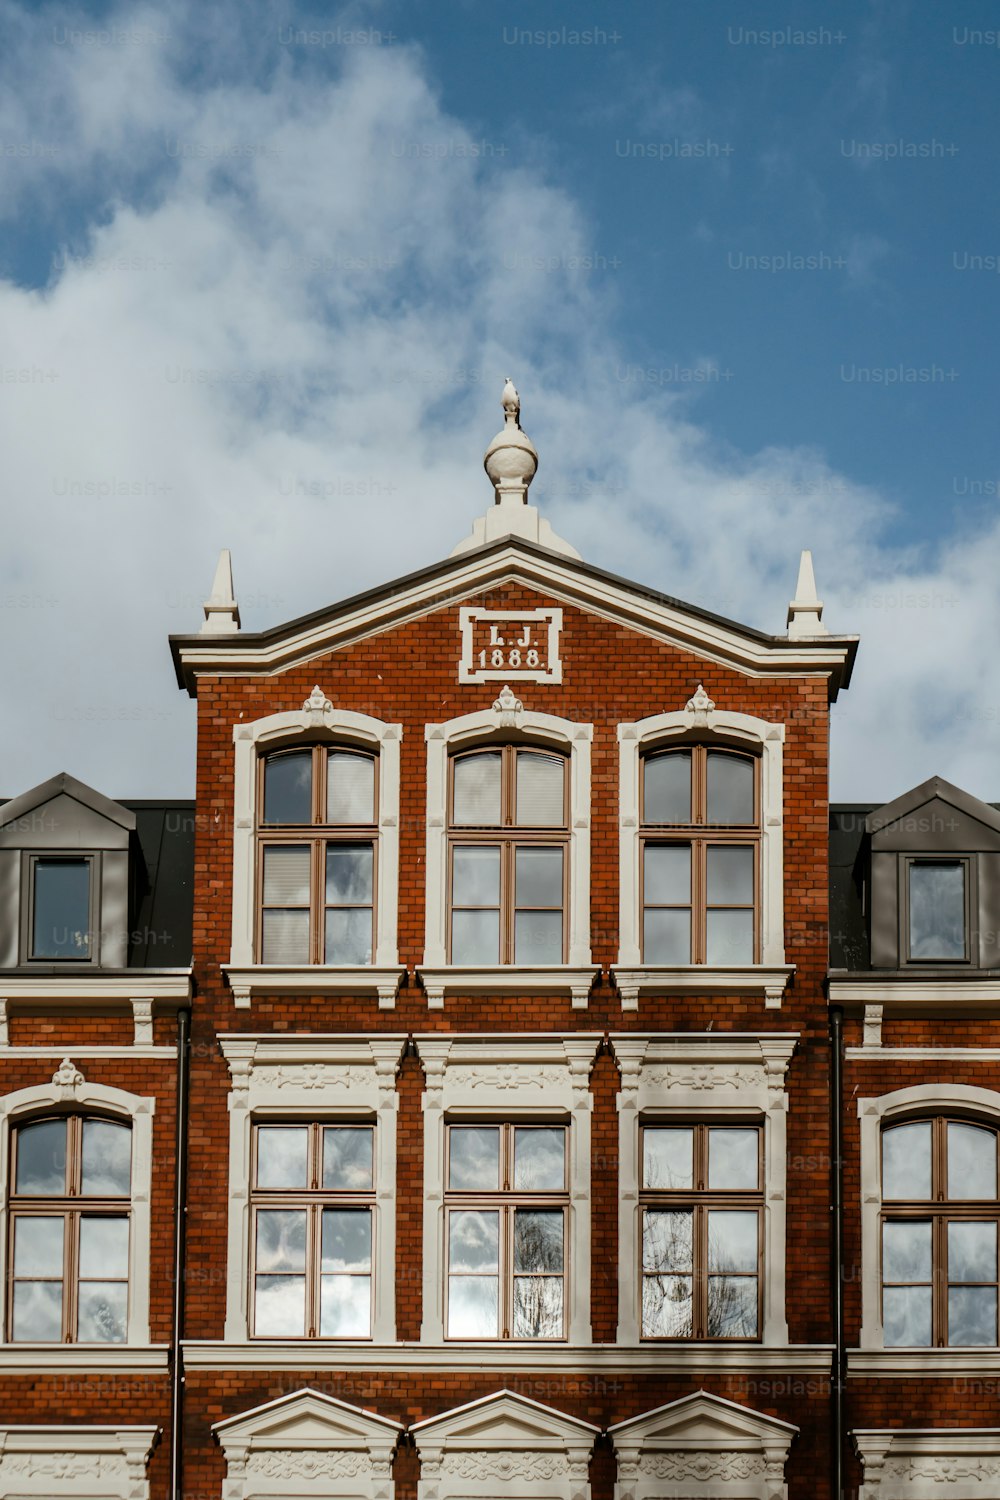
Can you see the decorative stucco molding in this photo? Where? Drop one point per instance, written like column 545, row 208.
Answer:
column 702, row 1442
column 503, row 1444
column 914, row 1463
column 75, row 1461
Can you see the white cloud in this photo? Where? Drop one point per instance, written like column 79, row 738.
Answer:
column 295, row 287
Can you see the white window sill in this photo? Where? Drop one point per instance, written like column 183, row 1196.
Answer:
column 94, row 1359
column 509, row 979
column 768, row 980
column 250, row 980
column 937, row 1364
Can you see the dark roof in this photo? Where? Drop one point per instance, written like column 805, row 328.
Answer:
column 849, row 946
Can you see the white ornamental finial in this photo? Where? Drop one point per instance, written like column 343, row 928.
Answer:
column 508, row 709
column 805, row 612
column 67, row 1078
column 317, row 703
column 222, row 613
column 701, row 706
column 511, row 460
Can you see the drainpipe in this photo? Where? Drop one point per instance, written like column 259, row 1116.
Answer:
column 180, row 1211
column 836, row 1137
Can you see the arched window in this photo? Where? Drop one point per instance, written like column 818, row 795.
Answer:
column 940, row 1212
column 317, row 836
column 508, row 856
column 699, row 856
column 69, row 1225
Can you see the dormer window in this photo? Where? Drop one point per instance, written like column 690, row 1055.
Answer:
column 60, row 918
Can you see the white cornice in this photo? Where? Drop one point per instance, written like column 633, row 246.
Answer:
column 86, row 1359
column 930, row 993
column 247, row 981
column 615, row 600
column 767, row 980
column 146, row 984
column 509, row 979
column 930, row 1364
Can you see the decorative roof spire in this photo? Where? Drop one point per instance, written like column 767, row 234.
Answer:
column 222, row 613
column 511, row 459
column 805, row 612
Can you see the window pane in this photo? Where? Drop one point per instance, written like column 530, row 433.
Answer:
column 38, row 1245
column 906, row 1250
column 538, row 1239
column 732, row 1307
column 280, row 1309
column 285, row 937
column 972, row 1162
column 730, row 788
column 667, row 1240
column 733, row 1159
column 282, row 1156
column 474, row 1157
column 107, row 1159
column 102, row 1316
column 539, row 1158
column 475, row 937
column 475, row 879
column 666, row 783
column 666, row 1307
column 41, row 1157
column 347, row 1240
column 473, row 1307
column 538, row 1307
column 906, row 1316
column 288, row 788
column 730, row 875
column 350, row 788
column 668, row 1158
column 281, row 1240
column 732, row 1240
column 538, row 877
column 474, row 1237
column 104, row 1247
column 348, row 935
column 538, row 937
column 906, row 1161
column 728, row 937
column 972, row 1251
column 972, row 1315
column 61, row 926
column 477, row 790
column 937, row 910
column 38, row 1311
column 349, row 874
column 666, row 935
column 345, row 1307
column 539, row 790
column 667, row 875
column 286, row 875
column 348, row 1157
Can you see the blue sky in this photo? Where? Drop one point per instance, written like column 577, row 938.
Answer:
column 259, row 260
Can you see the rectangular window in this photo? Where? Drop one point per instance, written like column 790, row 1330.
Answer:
column 702, row 1208
column 506, row 1203
column 313, row 1207
column 61, row 913
column 937, row 910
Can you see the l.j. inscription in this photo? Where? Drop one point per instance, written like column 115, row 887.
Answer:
column 497, row 644
column 500, row 652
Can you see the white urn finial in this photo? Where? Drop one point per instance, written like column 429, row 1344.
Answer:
column 511, row 459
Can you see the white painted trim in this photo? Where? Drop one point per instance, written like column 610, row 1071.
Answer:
column 923, row 1054
column 314, row 979
column 511, row 979
column 504, row 1444
column 697, row 1076
column 68, row 1086
column 703, row 1447
column 308, row 1078
column 75, row 1461
column 551, row 672
column 508, row 1078
column 157, row 1053
column 932, row 1364
column 95, row 986
column 86, row 1359
column 635, row 740
column 250, row 741
column 913, row 1463
column 308, row 1443
column 767, row 981
column 495, row 725
column 931, row 995
column 873, row 1114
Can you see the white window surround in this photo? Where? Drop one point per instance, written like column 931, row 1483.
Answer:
column 702, row 1446
column 909, row 1463
column 518, row 1078
column 505, row 1444
column 873, row 1115
column 632, row 977
column 307, row 1443
column 303, row 1077
column 251, row 740
column 69, row 1087
column 703, row 1076
column 70, row 1461
column 508, row 721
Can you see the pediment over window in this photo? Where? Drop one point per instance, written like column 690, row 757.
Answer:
column 704, row 1441
column 504, row 1440
column 307, row 1438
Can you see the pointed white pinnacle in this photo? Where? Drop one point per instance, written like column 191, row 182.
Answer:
column 222, row 613
column 805, row 612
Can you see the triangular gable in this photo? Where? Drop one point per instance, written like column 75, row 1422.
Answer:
column 907, row 807
column 503, row 1421
column 701, row 1423
column 64, row 813
column 307, row 1419
column 513, row 560
column 64, row 784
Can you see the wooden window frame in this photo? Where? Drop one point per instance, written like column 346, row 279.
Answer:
column 505, row 1200
column 699, row 836
column 317, row 836
column 699, row 1199
column 969, row 864
column 312, row 1200
column 940, row 1211
column 70, row 1208
column 508, row 837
